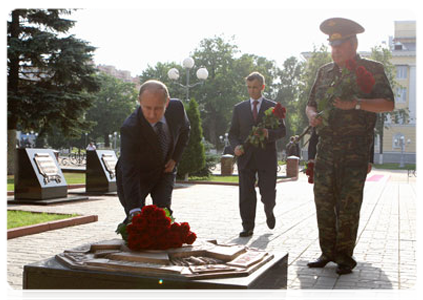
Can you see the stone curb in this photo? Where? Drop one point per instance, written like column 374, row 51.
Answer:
column 286, row 179
column 38, row 228
column 70, row 187
column 79, row 186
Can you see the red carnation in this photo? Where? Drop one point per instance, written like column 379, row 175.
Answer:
column 351, row 64
column 365, row 79
column 279, row 111
column 146, row 210
column 152, row 229
column 190, row 238
column 310, row 172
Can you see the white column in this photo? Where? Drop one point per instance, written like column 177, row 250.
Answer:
column 412, row 94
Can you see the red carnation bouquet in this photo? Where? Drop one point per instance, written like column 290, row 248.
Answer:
column 271, row 120
column 309, row 171
column 155, row 229
column 354, row 80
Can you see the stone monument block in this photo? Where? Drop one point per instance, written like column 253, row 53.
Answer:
column 203, row 265
column 38, row 175
column 292, row 163
column 100, row 174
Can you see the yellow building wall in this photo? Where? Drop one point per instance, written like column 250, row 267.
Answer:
column 409, row 132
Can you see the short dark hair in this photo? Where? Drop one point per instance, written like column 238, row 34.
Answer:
column 256, row 76
column 154, row 85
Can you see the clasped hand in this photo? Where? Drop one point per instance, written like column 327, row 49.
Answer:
column 169, row 166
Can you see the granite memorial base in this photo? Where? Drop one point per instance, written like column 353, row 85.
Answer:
column 203, row 265
column 100, row 172
column 39, row 178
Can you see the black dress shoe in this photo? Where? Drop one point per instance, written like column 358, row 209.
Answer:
column 343, row 269
column 271, row 221
column 246, row 233
column 321, row 262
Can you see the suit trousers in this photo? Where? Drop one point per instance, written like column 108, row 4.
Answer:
column 160, row 192
column 247, row 193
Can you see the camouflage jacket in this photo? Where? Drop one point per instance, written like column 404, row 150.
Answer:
column 350, row 123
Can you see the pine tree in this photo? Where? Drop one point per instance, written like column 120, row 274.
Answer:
column 193, row 158
column 49, row 75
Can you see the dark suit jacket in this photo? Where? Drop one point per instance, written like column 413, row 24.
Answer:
column 140, row 165
column 242, row 123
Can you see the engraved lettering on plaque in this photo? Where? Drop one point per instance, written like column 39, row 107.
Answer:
column 110, row 163
column 47, row 167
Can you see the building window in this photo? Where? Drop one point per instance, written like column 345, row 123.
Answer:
column 396, row 141
column 401, row 72
column 401, row 95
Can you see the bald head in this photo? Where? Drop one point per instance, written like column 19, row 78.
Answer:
column 154, row 99
column 154, row 86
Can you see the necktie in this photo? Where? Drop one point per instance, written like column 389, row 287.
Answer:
column 163, row 142
column 255, row 103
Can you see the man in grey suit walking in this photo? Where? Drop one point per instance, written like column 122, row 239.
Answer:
column 253, row 161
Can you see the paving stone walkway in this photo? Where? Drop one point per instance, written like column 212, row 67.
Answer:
column 385, row 251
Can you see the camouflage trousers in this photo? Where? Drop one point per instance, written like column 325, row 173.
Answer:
column 339, row 175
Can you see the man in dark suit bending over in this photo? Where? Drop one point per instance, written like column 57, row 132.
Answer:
column 153, row 138
column 252, row 160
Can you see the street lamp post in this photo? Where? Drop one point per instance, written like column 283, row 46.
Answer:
column 401, row 142
column 188, row 64
column 114, row 140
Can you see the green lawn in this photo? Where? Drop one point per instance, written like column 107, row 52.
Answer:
column 214, row 178
column 392, row 166
column 16, row 218
column 71, row 178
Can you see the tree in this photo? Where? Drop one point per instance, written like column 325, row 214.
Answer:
column 225, row 85
column 112, row 104
column 318, row 58
column 289, row 93
column 194, row 158
column 383, row 55
column 47, row 75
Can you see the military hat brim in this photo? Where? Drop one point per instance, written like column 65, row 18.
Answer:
column 340, row 30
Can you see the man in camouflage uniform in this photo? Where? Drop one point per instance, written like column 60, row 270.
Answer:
column 344, row 145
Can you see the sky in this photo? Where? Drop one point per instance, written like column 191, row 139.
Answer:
column 131, row 38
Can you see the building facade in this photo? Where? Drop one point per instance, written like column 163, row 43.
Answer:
column 399, row 139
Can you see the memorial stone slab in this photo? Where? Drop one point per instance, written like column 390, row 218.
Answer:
column 39, row 178
column 38, row 175
column 203, row 265
column 100, row 172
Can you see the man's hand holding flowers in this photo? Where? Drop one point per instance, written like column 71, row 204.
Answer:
column 342, row 94
column 271, row 120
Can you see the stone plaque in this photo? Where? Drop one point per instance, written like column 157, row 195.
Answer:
column 205, row 264
column 38, row 175
column 201, row 260
column 100, row 173
column 109, row 161
column 47, row 167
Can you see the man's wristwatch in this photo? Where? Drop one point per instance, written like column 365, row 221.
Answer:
column 358, row 105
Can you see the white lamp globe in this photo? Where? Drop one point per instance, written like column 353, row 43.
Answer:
column 173, row 74
column 188, row 63
column 202, row 73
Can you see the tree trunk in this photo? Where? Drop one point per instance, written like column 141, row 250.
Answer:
column 13, row 84
column 381, row 128
column 106, row 140
column 11, row 151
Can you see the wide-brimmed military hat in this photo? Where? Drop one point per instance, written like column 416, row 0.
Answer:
column 340, row 30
